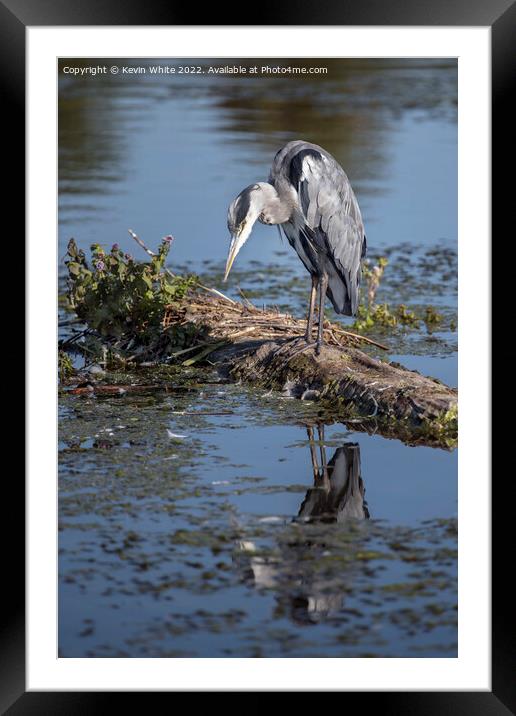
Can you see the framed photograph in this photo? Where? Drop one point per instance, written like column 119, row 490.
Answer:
column 258, row 271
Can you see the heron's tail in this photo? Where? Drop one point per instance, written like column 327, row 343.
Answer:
column 343, row 293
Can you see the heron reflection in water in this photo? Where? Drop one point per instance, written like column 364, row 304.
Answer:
column 337, row 496
column 338, row 491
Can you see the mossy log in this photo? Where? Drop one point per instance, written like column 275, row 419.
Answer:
column 256, row 347
column 141, row 313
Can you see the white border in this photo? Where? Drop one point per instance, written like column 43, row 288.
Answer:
column 471, row 670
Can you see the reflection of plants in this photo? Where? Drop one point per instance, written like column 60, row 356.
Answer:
column 444, row 428
column 115, row 295
column 372, row 315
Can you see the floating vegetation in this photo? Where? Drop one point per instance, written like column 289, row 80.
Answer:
column 140, row 528
column 64, row 366
column 190, row 324
column 444, row 428
column 372, row 316
column 143, row 522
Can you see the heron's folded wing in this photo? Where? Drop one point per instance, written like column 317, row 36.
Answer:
column 331, row 211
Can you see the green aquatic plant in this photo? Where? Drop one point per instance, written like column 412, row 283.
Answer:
column 433, row 319
column 376, row 315
column 372, row 315
column 382, row 315
column 373, row 276
column 444, row 428
column 117, row 296
column 65, row 367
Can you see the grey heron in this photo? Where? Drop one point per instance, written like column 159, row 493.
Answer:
column 309, row 196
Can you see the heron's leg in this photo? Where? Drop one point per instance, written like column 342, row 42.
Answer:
column 323, row 285
column 313, row 454
column 310, row 320
column 309, row 323
column 322, row 449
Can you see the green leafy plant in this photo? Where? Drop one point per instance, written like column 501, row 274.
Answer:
column 371, row 315
column 434, row 319
column 64, row 366
column 117, row 296
column 373, row 276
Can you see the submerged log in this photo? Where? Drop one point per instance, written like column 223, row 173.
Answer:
column 264, row 348
column 362, row 391
column 258, row 347
column 124, row 306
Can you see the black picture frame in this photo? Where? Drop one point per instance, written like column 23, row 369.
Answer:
column 500, row 15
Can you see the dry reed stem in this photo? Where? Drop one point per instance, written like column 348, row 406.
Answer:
column 233, row 321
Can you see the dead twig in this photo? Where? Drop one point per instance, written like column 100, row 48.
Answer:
column 151, row 253
column 206, row 352
column 360, row 338
column 140, row 243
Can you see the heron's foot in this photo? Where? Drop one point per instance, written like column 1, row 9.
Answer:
column 287, row 344
column 305, row 347
column 289, row 350
column 293, row 339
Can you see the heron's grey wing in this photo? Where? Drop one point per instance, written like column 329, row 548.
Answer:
column 346, row 246
column 283, row 157
column 330, row 209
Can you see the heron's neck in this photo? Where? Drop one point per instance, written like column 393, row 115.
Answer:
column 277, row 208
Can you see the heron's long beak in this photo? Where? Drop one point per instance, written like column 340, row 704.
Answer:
column 236, row 244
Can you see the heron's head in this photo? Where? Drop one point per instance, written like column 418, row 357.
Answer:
column 242, row 215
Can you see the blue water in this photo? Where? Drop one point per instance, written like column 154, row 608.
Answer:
column 176, row 163
column 203, row 546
